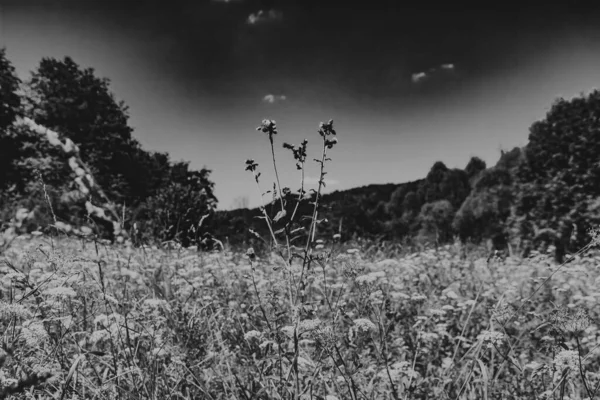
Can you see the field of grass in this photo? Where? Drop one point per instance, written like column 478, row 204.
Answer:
column 88, row 320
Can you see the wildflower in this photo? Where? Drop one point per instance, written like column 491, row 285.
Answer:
column 428, row 336
column 566, row 359
column 364, row 325
column 418, row 297
column 325, row 336
column 308, row 325
column 369, row 278
column 156, row 302
column 98, row 336
column 268, row 126
column 33, row 333
column 399, row 370
column 574, row 324
column 351, row 270
column 13, row 310
column 578, row 322
column 253, row 334
column 491, row 339
column 438, row 312
column 502, row 314
column 326, row 129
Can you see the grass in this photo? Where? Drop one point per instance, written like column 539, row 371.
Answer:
column 116, row 322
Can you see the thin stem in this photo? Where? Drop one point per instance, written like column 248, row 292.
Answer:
column 276, row 173
column 263, row 208
column 587, row 389
column 313, row 222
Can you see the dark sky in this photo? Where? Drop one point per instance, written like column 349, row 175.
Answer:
column 405, row 85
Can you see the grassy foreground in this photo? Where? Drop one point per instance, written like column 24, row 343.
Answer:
column 86, row 320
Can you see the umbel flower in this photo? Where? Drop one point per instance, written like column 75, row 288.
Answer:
column 502, row 314
column 571, row 323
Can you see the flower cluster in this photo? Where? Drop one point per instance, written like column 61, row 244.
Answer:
column 364, row 325
column 571, row 323
column 502, row 314
column 352, row 269
column 268, row 126
column 298, row 151
column 491, row 339
column 326, row 130
column 566, row 359
column 325, row 336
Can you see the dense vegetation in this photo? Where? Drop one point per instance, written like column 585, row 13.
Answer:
column 545, row 193
column 78, row 106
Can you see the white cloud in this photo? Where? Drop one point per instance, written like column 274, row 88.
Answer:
column 272, row 98
column 311, row 180
column 264, row 16
column 419, row 76
column 422, row 76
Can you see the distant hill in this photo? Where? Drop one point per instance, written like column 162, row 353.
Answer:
column 78, row 157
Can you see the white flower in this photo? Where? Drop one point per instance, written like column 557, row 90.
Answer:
column 309, row 325
column 33, row 333
column 364, row 325
column 252, row 335
column 566, row 359
column 369, row 278
column 491, row 339
column 13, row 310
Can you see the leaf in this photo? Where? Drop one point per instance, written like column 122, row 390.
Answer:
column 280, row 215
column 484, row 374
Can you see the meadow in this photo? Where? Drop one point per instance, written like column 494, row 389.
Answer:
column 88, row 318
column 99, row 300
column 82, row 319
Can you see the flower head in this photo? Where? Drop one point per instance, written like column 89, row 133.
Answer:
column 571, row 323
column 364, row 325
column 326, row 129
column 268, row 126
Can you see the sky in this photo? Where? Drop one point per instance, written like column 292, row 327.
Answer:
column 406, row 86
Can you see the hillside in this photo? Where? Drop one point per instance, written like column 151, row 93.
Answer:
column 70, row 160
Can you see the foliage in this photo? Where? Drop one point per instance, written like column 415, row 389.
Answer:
column 558, row 179
column 72, row 120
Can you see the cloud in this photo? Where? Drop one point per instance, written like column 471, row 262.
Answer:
column 272, row 98
column 262, row 16
column 435, row 71
column 311, row 180
column 419, row 76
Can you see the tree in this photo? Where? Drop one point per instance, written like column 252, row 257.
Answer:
column 10, row 101
column 10, row 108
column 560, row 172
column 175, row 211
column 436, row 221
column 474, row 166
column 74, row 102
